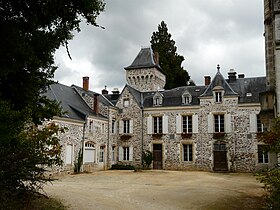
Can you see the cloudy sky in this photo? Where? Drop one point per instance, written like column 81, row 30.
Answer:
column 206, row 32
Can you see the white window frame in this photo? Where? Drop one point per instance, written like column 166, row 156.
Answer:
column 126, row 153
column 187, row 124
column 263, row 158
column 218, row 128
column 101, row 154
column 126, row 126
column 187, row 154
column 90, row 147
column 157, row 124
column 218, row 96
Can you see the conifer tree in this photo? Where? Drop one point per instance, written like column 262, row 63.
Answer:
column 169, row 60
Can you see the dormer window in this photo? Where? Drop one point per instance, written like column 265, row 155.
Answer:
column 186, row 97
column 157, row 99
column 218, row 97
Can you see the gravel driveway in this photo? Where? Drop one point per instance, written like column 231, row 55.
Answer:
column 157, row 190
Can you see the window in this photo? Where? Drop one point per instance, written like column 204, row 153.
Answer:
column 158, row 124
column 186, row 99
column 187, row 152
column 187, row 124
column 218, row 96
column 113, row 153
column 90, row 126
column 125, row 153
column 262, row 154
column 89, row 155
column 156, row 101
column 126, row 102
column 113, row 126
column 219, row 123
column 126, row 126
column 260, row 126
column 101, row 155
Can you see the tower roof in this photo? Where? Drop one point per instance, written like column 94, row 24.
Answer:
column 144, row 59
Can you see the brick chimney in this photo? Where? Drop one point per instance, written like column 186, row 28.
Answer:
column 85, row 83
column 96, row 103
column 207, row 80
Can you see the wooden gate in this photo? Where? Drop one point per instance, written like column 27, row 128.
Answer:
column 220, row 157
column 157, row 156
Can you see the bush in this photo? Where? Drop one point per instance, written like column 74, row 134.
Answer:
column 147, row 159
column 122, row 167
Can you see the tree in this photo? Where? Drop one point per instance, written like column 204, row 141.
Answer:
column 30, row 33
column 169, row 60
column 271, row 177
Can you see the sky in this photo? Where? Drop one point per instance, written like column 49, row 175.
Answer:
column 206, row 33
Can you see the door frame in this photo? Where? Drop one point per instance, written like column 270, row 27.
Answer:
column 157, row 164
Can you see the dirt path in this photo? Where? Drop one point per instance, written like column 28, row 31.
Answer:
column 157, row 190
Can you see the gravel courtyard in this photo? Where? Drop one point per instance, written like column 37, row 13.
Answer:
column 157, row 190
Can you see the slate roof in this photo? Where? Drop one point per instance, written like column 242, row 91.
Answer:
column 102, row 99
column 144, row 59
column 173, row 97
column 219, row 81
column 70, row 101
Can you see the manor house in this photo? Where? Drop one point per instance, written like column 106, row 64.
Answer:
column 211, row 127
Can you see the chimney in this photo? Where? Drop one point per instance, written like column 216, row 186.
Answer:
column 85, row 83
column 207, row 80
column 104, row 91
column 156, row 58
column 241, row 76
column 95, row 103
column 231, row 76
column 116, row 94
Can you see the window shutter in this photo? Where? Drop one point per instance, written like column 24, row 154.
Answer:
column 149, row 125
column 195, row 123
column 130, row 126
column 120, row 126
column 253, row 123
column 178, row 123
column 210, row 123
column 120, row 153
column 227, row 123
column 130, row 153
column 165, row 124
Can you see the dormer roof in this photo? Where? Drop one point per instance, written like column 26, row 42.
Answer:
column 219, row 83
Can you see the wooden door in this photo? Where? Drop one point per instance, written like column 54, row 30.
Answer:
column 157, row 156
column 220, row 157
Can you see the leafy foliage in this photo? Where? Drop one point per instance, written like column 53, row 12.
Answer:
column 147, row 158
column 169, row 60
column 122, row 167
column 271, row 177
column 78, row 163
column 30, row 33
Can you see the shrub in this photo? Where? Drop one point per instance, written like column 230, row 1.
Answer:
column 122, row 167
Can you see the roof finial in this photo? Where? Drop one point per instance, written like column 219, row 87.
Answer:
column 218, row 67
column 105, row 87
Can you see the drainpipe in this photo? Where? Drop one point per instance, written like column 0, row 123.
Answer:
column 83, row 143
column 142, row 128
column 108, row 139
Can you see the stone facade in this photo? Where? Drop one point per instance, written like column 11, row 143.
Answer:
column 209, row 127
